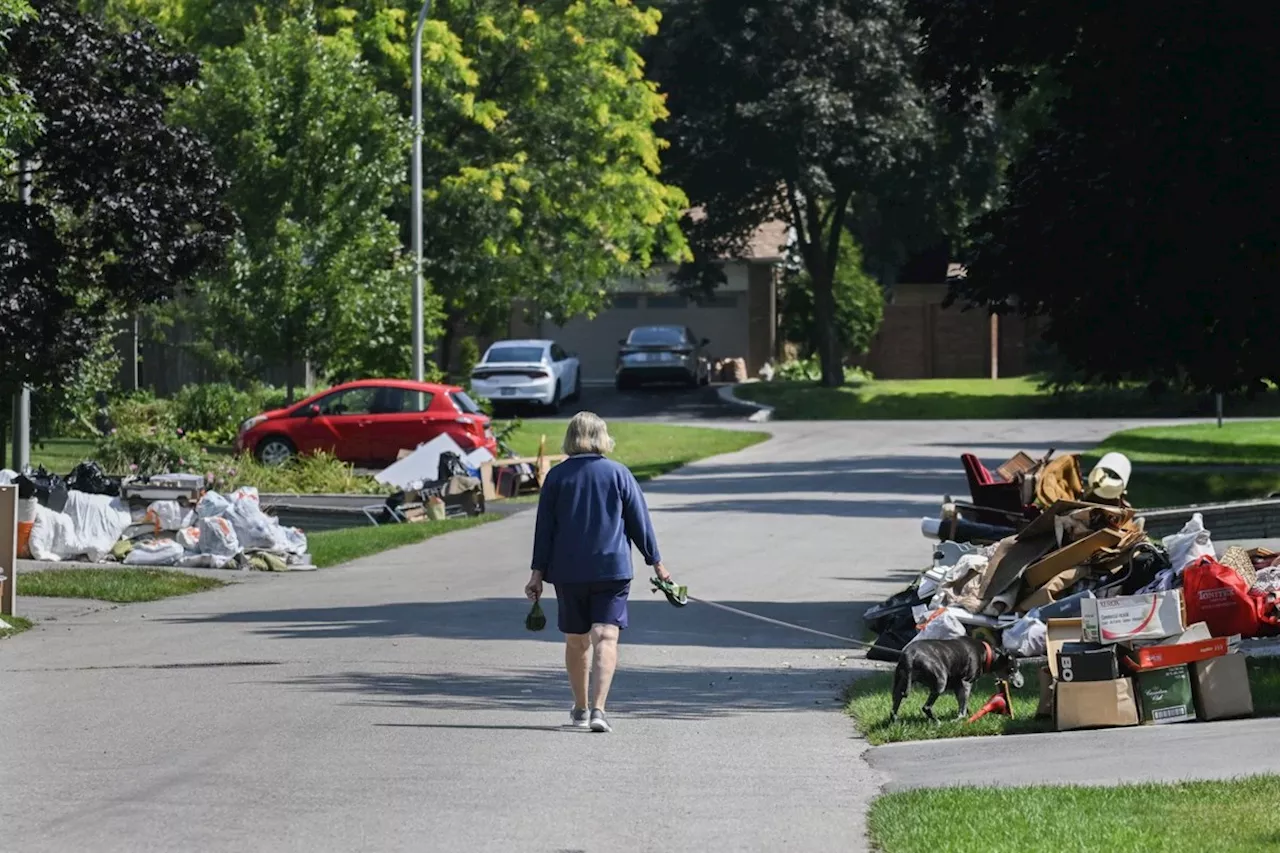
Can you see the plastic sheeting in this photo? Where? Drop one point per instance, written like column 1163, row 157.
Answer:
column 97, row 522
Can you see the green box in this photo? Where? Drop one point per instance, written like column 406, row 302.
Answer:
column 1164, row 695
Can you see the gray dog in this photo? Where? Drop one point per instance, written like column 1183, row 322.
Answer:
column 953, row 664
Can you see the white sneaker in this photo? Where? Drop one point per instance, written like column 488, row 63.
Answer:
column 599, row 722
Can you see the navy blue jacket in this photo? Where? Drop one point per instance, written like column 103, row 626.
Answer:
column 590, row 512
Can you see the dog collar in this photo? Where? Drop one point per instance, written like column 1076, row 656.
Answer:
column 990, row 657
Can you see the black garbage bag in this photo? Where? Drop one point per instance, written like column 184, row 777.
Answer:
column 1146, row 560
column 90, row 478
column 48, row 489
column 451, row 465
column 893, row 609
column 890, row 642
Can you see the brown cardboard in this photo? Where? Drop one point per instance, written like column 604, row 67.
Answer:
column 1012, row 564
column 1040, row 573
column 1042, row 524
column 1049, row 593
column 1058, row 632
column 1221, row 688
column 1094, row 704
column 1045, row 708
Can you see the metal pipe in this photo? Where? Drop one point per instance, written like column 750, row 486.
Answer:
column 416, row 225
column 22, row 399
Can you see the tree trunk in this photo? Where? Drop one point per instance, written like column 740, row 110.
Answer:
column 824, row 316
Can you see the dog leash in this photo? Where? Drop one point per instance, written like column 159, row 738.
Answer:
column 679, row 596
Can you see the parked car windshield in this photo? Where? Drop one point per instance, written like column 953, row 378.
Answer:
column 656, row 336
column 514, row 355
column 464, row 403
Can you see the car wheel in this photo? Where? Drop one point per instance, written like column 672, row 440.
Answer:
column 554, row 406
column 275, row 450
column 693, row 381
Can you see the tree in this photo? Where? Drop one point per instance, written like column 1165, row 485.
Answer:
column 858, row 297
column 125, row 206
column 1139, row 219
column 315, row 154
column 18, row 121
column 809, row 110
column 541, row 164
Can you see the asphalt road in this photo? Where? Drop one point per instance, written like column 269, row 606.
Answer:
column 399, row 704
column 656, row 403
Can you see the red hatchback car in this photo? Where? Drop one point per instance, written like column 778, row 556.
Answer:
column 367, row 422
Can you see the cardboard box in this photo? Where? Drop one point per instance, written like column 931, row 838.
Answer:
column 1088, row 662
column 1193, row 644
column 1050, row 566
column 1094, row 704
column 1059, row 632
column 1132, row 617
column 1165, row 695
column 1045, row 708
column 1220, row 687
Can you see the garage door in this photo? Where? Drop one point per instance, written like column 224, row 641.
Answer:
column 723, row 320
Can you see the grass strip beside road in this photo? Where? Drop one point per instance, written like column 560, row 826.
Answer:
column 16, row 626
column 649, row 450
column 980, row 399
column 870, row 700
column 1187, row 817
column 122, row 586
column 1158, row 452
column 334, row 547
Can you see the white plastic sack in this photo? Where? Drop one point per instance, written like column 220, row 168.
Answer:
column 204, row 561
column 189, row 538
column 1189, row 544
column 218, row 536
column 7, row 477
column 245, row 493
column 255, row 529
column 295, row 539
column 99, row 520
column 53, row 536
column 157, row 552
column 1028, row 637
column 944, row 626
column 212, row 504
column 166, row 516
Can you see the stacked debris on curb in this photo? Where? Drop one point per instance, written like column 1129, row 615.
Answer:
column 1045, row 563
column 168, row 520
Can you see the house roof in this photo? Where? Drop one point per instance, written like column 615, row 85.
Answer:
column 767, row 243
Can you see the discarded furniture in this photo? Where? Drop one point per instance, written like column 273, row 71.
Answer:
column 517, row 475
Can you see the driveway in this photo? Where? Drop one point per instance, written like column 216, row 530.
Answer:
column 399, row 704
column 670, row 403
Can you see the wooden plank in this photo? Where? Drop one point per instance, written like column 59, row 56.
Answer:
column 9, row 550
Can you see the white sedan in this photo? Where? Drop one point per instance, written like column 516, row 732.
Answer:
column 539, row 372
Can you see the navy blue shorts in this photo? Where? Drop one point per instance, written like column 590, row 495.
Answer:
column 581, row 605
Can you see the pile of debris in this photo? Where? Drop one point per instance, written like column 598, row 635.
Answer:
column 1045, row 563
column 168, row 520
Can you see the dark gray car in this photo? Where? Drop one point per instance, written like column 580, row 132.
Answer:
column 662, row 354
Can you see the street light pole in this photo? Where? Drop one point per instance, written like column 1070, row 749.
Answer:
column 22, row 399
column 418, row 363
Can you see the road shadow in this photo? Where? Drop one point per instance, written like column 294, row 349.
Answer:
column 652, row 622
column 667, row 692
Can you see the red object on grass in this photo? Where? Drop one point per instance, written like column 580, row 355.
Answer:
column 1000, row 703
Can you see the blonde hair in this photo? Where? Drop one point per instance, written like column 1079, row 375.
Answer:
column 587, row 433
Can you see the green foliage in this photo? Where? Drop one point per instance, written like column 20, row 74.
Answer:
column 19, row 121
column 144, row 412
column 148, row 451
column 468, row 355
column 215, row 410
column 812, row 111
column 809, row 369
column 319, row 473
column 315, row 153
column 859, row 302
column 116, row 584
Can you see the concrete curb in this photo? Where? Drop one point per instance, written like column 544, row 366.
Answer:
column 762, row 412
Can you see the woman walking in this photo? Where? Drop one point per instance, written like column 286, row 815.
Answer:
column 590, row 512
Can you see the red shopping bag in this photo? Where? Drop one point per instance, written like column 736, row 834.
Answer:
column 1220, row 598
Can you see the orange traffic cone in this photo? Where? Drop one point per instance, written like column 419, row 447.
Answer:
column 1001, row 703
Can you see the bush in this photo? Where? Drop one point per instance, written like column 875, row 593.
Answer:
column 468, row 356
column 149, row 451
column 314, row 474
column 214, row 411
column 142, row 411
column 810, row 370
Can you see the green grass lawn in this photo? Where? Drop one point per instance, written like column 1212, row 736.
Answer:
column 1187, row 817
column 978, row 399
column 649, row 450
column 60, row 455
column 122, row 586
column 1236, row 443
column 16, row 626
column 334, row 547
column 871, row 698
